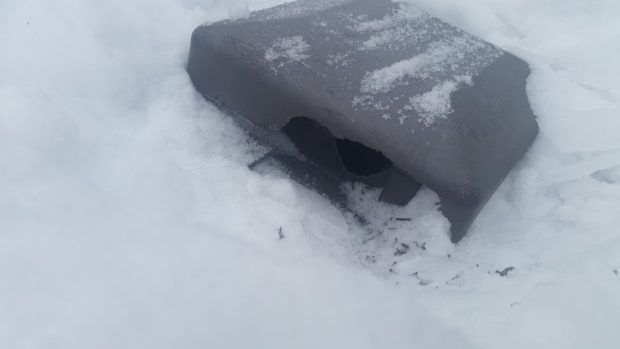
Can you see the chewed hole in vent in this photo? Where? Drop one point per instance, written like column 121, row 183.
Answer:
column 318, row 144
column 360, row 159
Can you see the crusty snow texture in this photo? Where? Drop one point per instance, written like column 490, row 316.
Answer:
column 129, row 219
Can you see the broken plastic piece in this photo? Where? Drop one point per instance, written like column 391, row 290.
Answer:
column 373, row 91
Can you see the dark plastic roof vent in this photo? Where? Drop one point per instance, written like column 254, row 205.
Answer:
column 374, row 91
column 361, row 160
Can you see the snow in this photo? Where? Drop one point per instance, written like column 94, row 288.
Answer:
column 239, row 10
column 294, row 9
column 391, row 31
column 459, row 55
column 341, row 59
column 450, row 57
column 384, row 79
column 436, row 103
column 288, row 50
column 128, row 217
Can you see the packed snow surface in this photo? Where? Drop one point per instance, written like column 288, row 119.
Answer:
column 129, row 219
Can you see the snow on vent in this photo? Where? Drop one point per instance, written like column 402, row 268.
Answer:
column 392, row 31
column 444, row 67
column 287, row 50
column 296, row 9
column 420, row 66
column 436, row 103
